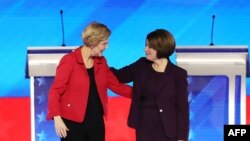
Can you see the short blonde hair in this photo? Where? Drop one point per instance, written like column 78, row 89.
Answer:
column 94, row 33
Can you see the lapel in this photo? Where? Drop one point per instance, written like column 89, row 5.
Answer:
column 79, row 60
column 144, row 78
column 141, row 76
column 97, row 64
column 163, row 81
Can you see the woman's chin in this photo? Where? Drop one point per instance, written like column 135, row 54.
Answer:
column 148, row 58
column 97, row 55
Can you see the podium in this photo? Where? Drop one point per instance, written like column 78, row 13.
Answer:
column 217, row 87
column 40, row 69
column 216, row 77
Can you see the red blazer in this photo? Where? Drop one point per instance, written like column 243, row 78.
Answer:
column 69, row 92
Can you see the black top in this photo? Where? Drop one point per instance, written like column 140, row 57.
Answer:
column 94, row 112
column 148, row 96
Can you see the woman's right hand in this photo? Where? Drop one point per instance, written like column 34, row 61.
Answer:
column 60, row 127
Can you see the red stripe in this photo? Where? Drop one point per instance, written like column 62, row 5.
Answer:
column 15, row 119
column 248, row 110
column 116, row 125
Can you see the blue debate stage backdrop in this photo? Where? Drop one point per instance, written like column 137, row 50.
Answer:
column 37, row 23
column 26, row 23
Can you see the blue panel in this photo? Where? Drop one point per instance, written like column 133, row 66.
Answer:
column 44, row 130
column 208, row 96
column 237, row 99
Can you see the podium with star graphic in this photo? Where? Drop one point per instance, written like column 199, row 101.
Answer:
column 40, row 69
column 217, row 87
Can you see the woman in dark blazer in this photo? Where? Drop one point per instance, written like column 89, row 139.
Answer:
column 78, row 96
column 159, row 109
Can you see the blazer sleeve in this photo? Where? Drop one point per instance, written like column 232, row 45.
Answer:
column 182, row 105
column 117, row 87
column 126, row 74
column 114, row 85
column 59, row 85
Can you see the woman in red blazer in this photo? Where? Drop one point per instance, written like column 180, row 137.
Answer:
column 78, row 97
column 159, row 110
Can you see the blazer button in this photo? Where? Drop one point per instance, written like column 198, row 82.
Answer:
column 68, row 105
column 161, row 110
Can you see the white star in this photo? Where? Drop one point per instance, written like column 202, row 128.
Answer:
column 42, row 136
column 41, row 81
column 41, row 98
column 41, row 117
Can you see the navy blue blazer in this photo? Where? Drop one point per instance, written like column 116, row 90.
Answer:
column 172, row 96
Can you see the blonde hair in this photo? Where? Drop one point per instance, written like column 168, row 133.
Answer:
column 94, row 33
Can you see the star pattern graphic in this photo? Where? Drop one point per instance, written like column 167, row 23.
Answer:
column 41, row 117
column 199, row 108
column 42, row 136
column 41, row 81
column 44, row 129
column 41, row 98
